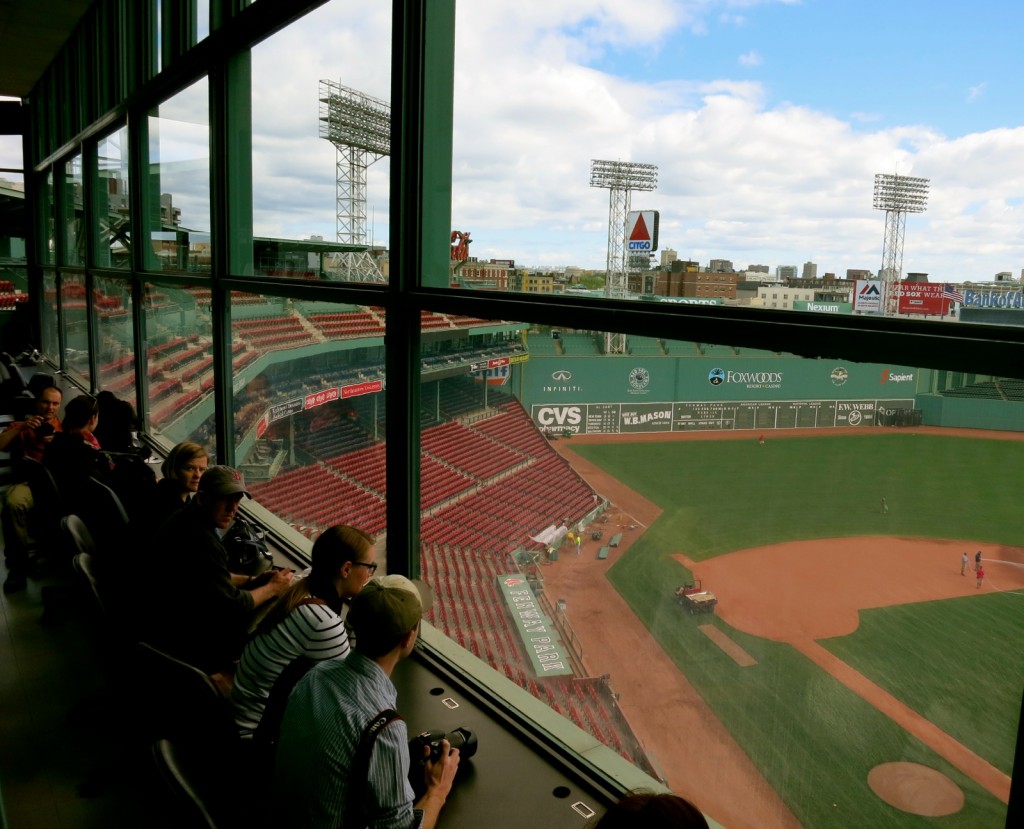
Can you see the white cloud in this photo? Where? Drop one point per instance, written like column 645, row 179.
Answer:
column 975, row 92
column 751, row 58
column 739, row 178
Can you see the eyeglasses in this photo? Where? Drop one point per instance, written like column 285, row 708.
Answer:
column 371, row 566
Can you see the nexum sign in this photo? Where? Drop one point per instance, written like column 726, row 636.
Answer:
column 642, row 230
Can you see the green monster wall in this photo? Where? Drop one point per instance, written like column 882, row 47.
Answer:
column 633, row 393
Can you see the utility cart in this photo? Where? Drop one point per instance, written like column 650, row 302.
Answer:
column 695, row 599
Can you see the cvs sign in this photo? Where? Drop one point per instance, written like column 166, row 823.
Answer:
column 559, row 418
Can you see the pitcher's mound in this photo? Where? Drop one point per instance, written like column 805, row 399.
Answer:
column 916, row 789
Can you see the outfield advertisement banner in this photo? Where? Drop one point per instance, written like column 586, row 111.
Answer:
column 548, row 654
column 921, row 298
column 625, row 418
column 719, row 374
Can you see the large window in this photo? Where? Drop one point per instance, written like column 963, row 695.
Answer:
column 321, row 146
column 178, row 197
column 724, row 542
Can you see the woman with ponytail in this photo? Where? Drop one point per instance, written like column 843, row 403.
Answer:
column 306, row 621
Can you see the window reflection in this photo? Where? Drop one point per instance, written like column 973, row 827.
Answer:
column 179, row 363
column 76, row 329
column 113, row 202
column 74, row 239
column 179, row 183
column 115, row 359
column 309, row 410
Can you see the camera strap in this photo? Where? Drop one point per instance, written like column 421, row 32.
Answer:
column 359, row 771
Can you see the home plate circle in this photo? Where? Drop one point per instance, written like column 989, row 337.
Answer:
column 917, row 789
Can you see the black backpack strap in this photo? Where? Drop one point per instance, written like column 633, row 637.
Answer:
column 359, row 771
column 269, row 729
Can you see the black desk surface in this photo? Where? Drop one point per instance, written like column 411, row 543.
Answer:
column 508, row 783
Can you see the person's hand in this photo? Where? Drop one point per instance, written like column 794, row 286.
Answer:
column 280, row 580
column 440, row 774
column 34, row 421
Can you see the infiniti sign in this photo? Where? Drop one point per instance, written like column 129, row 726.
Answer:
column 561, row 375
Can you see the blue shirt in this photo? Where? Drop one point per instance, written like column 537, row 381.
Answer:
column 323, row 723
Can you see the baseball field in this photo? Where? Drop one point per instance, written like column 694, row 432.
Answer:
column 851, row 673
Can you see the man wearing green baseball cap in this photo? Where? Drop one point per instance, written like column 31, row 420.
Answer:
column 323, row 778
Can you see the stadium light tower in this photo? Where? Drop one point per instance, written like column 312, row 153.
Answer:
column 619, row 178
column 359, row 127
column 897, row 196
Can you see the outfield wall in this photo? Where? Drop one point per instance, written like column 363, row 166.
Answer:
column 614, row 394
column 971, row 413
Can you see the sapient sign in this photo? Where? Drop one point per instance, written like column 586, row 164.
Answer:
column 750, row 379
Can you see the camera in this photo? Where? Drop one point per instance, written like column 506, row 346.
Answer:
column 44, row 429
column 461, row 738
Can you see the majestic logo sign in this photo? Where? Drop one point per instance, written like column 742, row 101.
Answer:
column 839, row 376
column 716, row 377
column 868, row 295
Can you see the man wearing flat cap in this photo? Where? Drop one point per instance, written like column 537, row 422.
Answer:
column 341, row 760
column 204, row 615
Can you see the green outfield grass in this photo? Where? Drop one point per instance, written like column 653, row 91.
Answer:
column 814, row 740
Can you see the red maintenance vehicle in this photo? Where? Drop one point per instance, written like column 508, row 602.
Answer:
column 695, row 599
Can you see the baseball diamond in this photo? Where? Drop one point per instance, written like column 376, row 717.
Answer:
column 869, row 655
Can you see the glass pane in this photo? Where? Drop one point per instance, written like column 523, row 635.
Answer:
column 113, row 202
column 74, row 239
column 783, row 549
column 76, row 329
column 624, row 193
column 179, row 364
column 179, row 182
column 320, row 172
column 47, row 254
column 11, row 156
column 115, row 360
column 13, row 230
column 202, row 19
column 13, row 227
column 309, row 410
column 51, row 345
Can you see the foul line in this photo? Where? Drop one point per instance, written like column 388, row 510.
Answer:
column 978, row 769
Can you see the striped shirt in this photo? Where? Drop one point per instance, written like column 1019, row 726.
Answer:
column 323, row 723
column 310, row 630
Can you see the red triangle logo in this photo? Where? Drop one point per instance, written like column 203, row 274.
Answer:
column 640, row 232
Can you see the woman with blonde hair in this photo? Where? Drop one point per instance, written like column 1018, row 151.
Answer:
column 306, row 621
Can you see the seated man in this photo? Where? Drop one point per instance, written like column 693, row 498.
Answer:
column 30, row 438
column 327, row 717
column 202, row 616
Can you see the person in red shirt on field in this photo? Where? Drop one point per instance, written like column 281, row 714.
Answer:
column 980, row 575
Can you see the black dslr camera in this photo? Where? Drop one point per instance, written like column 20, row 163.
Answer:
column 461, row 738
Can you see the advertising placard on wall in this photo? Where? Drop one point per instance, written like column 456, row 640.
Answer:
column 920, row 298
column 867, row 297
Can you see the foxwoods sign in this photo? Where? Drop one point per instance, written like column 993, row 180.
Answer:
column 993, row 299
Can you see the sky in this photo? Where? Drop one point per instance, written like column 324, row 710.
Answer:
column 768, row 121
